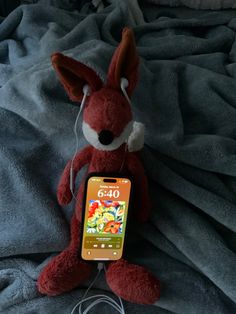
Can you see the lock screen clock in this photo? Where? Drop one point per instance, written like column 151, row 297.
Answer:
column 108, row 193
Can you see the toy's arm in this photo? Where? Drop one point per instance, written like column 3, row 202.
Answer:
column 64, row 194
column 141, row 187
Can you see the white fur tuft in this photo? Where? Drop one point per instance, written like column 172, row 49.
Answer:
column 136, row 138
column 92, row 137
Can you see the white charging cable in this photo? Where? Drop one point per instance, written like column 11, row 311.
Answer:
column 123, row 159
column 99, row 298
column 86, row 92
column 124, row 83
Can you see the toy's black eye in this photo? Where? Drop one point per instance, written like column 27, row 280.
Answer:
column 105, row 137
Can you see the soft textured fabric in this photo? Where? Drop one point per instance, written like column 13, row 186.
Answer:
column 55, row 278
column 133, row 281
column 7, row 6
column 186, row 97
column 198, row 4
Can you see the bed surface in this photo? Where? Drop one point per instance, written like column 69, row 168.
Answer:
column 186, row 97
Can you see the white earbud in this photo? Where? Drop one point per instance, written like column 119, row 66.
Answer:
column 124, row 83
column 86, row 90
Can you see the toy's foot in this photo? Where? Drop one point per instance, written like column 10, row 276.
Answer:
column 63, row 273
column 133, row 283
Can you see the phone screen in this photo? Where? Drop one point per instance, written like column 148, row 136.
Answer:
column 105, row 217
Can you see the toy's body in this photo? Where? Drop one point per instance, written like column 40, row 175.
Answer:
column 105, row 162
column 107, row 124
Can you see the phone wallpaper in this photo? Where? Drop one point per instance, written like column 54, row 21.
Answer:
column 105, row 217
column 106, row 212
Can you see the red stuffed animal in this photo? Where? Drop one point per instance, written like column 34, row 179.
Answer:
column 107, row 124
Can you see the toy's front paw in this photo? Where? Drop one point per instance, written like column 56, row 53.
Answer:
column 64, row 195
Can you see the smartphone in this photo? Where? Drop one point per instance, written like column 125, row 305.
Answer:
column 105, row 212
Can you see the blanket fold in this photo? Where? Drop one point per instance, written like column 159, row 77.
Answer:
column 186, row 97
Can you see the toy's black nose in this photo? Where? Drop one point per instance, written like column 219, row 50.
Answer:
column 105, row 137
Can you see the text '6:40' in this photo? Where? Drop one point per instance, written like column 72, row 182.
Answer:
column 110, row 193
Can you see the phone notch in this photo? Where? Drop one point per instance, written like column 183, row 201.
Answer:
column 109, row 180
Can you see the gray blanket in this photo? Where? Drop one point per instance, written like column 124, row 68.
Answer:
column 198, row 4
column 186, row 97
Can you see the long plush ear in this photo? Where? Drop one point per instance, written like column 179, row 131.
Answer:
column 124, row 62
column 74, row 75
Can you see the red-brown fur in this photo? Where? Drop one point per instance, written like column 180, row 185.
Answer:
column 106, row 109
column 104, row 105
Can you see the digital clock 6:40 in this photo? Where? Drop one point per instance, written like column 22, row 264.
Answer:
column 110, row 193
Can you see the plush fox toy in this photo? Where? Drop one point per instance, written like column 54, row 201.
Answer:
column 107, row 125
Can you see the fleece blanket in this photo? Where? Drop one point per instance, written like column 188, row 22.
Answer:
column 186, row 97
column 198, row 4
